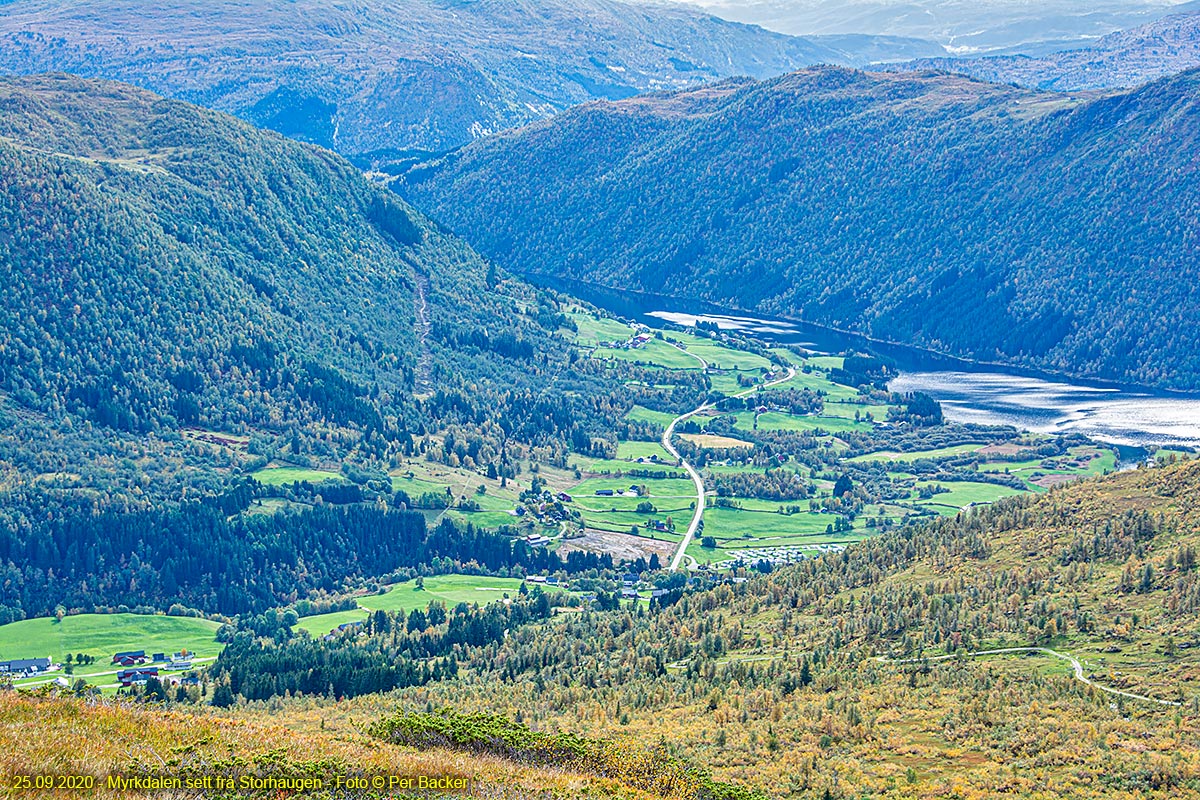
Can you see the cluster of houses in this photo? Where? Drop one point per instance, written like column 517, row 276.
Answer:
column 25, row 667
column 140, row 668
column 547, row 580
column 632, row 491
column 781, row 555
column 546, row 507
column 633, row 343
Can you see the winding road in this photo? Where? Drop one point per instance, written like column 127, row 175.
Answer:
column 669, row 433
column 1074, row 662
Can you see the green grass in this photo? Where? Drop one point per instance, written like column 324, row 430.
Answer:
column 277, row 476
column 450, row 589
column 659, row 418
column 594, row 330
column 635, row 450
column 819, row 380
column 940, row 452
column 778, row 421
column 964, row 493
column 655, row 352
column 415, row 487
column 489, row 520
column 730, row 523
column 722, row 357
column 606, row 466
column 321, row 624
column 848, row 410
column 101, row 635
column 664, row 487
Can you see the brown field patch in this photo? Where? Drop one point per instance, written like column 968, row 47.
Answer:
column 619, row 545
column 715, row 442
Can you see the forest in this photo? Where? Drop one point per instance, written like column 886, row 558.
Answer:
column 981, row 220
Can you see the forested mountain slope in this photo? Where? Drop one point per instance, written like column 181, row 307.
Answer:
column 1125, row 58
column 368, row 76
column 167, row 265
column 796, row 683
column 991, row 222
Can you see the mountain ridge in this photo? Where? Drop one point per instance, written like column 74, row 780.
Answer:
column 922, row 176
column 1120, row 60
column 427, row 75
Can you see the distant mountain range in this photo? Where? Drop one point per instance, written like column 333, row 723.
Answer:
column 1122, row 59
column 982, row 26
column 424, row 74
column 991, row 222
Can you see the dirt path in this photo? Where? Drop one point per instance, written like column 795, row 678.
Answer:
column 1074, row 662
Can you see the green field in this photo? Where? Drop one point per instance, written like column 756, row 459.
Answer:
column 819, row 380
column 636, row 450
column 101, row 635
column 767, row 528
column 655, row 352
column 592, row 331
column 778, row 421
column 941, row 452
column 277, row 476
column 964, row 494
column 665, row 487
column 450, row 589
column 640, row 414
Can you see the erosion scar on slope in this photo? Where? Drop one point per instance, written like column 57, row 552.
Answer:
column 424, row 359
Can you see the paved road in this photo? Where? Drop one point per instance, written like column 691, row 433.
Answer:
column 1078, row 667
column 698, row 514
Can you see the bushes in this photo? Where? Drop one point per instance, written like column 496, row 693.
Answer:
column 654, row 770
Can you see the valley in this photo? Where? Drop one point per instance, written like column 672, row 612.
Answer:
column 600, row 399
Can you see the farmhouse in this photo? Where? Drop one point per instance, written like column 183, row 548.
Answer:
column 24, row 666
column 129, row 658
column 604, row 492
column 128, row 677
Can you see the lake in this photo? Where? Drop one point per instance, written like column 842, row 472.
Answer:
column 969, row 392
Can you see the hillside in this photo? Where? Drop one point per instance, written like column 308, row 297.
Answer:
column 375, row 76
column 986, row 221
column 795, row 683
column 854, row 673
column 1125, row 58
column 169, row 266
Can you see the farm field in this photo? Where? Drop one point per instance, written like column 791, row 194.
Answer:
column 278, row 476
column 101, row 635
column 636, row 450
column 940, row 452
column 592, row 330
column 776, row 420
column 964, row 494
column 655, row 352
column 657, row 487
column 449, row 589
column 660, row 418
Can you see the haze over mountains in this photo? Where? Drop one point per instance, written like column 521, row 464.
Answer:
column 987, row 221
column 962, row 27
column 1125, row 58
column 371, row 76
